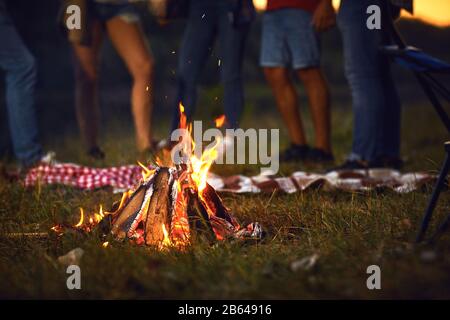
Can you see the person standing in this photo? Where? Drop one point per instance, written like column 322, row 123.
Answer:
column 20, row 70
column 120, row 20
column 376, row 103
column 228, row 21
column 290, row 41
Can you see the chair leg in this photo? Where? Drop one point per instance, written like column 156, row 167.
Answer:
column 434, row 100
column 435, row 195
column 442, row 228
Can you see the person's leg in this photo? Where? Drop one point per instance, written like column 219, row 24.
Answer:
column 303, row 44
column 129, row 41
column 198, row 38
column 275, row 59
column 86, row 63
column 319, row 103
column 232, row 44
column 286, row 99
column 364, row 74
column 20, row 69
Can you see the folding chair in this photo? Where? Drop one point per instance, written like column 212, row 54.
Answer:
column 424, row 67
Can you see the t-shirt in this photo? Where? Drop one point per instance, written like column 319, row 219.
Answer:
column 308, row 5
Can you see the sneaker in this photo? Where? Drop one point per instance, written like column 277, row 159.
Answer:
column 96, row 153
column 320, row 156
column 49, row 158
column 295, row 153
column 165, row 144
column 349, row 165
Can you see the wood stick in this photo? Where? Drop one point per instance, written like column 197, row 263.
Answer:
column 158, row 213
column 215, row 204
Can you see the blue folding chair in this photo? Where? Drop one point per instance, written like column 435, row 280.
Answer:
column 424, row 67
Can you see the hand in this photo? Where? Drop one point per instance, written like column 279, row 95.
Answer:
column 324, row 17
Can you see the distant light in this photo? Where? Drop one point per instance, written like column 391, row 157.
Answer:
column 435, row 12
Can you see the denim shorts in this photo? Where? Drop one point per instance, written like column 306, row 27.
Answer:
column 104, row 11
column 289, row 39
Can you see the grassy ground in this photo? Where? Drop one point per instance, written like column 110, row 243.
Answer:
column 349, row 231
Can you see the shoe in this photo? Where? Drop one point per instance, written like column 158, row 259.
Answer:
column 319, row 156
column 349, row 165
column 295, row 153
column 158, row 145
column 48, row 158
column 96, row 153
column 165, row 144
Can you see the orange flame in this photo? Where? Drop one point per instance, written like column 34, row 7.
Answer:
column 80, row 223
column 183, row 119
column 166, row 242
column 200, row 167
column 92, row 220
column 146, row 172
column 219, row 121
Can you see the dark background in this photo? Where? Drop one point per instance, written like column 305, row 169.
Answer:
column 37, row 23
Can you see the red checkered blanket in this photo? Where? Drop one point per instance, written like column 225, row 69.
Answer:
column 125, row 177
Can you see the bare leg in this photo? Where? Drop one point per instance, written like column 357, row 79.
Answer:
column 286, row 98
column 86, row 62
column 319, row 102
column 130, row 43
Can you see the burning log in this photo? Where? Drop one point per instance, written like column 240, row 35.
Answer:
column 128, row 215
column 158, row 215
column 198, row 216
column 150, row 213
column 167, row 209
column 215, row 204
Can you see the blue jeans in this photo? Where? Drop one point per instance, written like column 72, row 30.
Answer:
column 376, row 104
column 20, row 69
column 208, row 19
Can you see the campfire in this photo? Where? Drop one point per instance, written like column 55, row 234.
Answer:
column 173, row 205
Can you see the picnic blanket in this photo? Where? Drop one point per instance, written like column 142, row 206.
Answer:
column 122, row 178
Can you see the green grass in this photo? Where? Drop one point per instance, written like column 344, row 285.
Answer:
column 349, row 231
